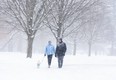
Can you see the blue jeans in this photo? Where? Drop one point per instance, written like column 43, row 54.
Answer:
column 60, row 61
column 49, row 59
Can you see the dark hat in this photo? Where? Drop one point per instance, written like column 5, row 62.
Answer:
column 60, row 39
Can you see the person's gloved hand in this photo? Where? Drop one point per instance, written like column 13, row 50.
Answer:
column 56, row 55
column 64, row 53
column 44, row 54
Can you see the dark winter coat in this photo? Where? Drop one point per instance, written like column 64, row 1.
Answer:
column 60, row 49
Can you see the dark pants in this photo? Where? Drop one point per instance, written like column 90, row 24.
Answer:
column 60, row 61
column 49, row 59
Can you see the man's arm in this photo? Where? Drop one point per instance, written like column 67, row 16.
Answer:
column 65, row 48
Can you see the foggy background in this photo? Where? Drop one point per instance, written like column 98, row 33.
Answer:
column 104, row 42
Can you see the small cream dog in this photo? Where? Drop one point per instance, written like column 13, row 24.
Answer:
column 38, row 63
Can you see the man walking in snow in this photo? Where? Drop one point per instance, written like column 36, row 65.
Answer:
column 49, row 51
column 60, row 52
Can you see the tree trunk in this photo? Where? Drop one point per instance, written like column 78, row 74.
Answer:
column 112, row 48
column 29, row 47
column 90, row 45
column 59, row 34
column 75, row 46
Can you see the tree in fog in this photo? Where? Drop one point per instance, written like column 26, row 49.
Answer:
column 75, row 37
column 94, row 26
column 65, row 15
column 109, row 35
column 27, row 15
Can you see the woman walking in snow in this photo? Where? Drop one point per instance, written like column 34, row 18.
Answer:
column 49, row 51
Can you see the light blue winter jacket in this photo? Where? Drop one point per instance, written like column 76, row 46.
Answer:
column 49, row 49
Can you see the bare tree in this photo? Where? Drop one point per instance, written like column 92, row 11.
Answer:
column 66, row 15
column 94, row 26
column 76, row 37
column 109, row 36
column 28, row 16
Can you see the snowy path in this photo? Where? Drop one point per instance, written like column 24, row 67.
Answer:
column 17, row 67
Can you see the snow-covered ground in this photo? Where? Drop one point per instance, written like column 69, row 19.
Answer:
column 16, row 66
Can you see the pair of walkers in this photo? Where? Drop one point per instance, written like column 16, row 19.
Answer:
column 59, row 52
